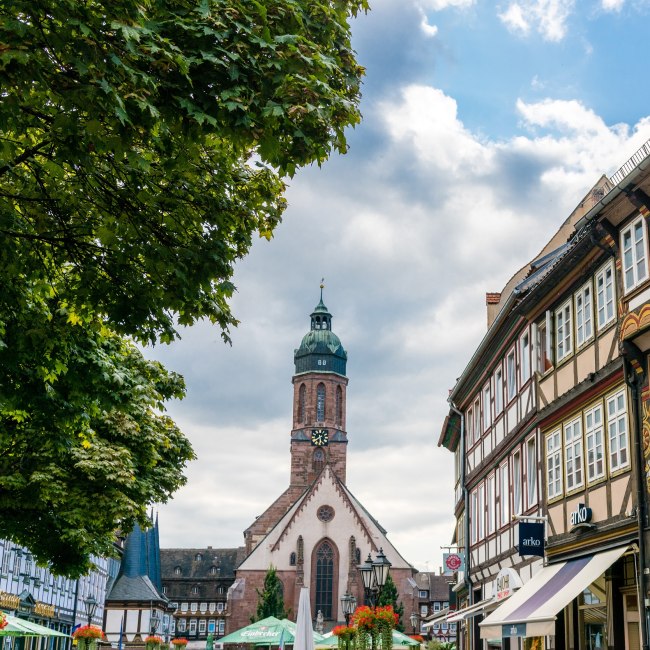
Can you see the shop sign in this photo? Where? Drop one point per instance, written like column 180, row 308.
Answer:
column 453, row 562
column 43, row 609
column 9, row 601
column 506, row 582
column 513, row 630
column 531, row 538
column 581, row 517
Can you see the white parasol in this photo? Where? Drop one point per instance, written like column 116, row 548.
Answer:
column 304, row 638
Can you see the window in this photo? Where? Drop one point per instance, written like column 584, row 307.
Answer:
column 469, row 419
column 480, row 514
column 202, row 623
column 516, row 483
column 324, row 579
column 487, row 408
column 318, row 460
column 192, row 626
column 213, row 570
column 511, row 376
column 563, row 331
column 474, row 516
column 194, row 607
column 212, row 608
column 490, row 505
column 423, row 594
column 477, row 419
column 177, row 571
column 554, row 465
column 531, row 472
column 164, row 589
column 634, row 258
column 594, row 442
column 198, row 557
column 573, row 454
column 211, row 626
column 183, row 607
column 181, row 624
column 195, row 590
column 605, row 295
column 544, row 343
column 504, row 493
column 424, row 610
column 584, row 319
column 339, row 405
column 302, row 394
column 292, row 559
column 219, row 607
column 498, row 391
column 203, row 608
column 5, row 563
column 222, row 626
column 524, row 357
column 320, row 403
column 617, row 431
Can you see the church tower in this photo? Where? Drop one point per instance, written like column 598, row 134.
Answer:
column 318, row 436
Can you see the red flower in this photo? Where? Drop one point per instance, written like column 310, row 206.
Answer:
column 344, row 631
column 3, row 620
column 88, row 632
column 180, row 641
column 153, row 639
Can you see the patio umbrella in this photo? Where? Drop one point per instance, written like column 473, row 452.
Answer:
column 304, row 637
column 269, row 631
column 20, row 627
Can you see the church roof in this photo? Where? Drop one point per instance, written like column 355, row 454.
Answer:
column 365, row 526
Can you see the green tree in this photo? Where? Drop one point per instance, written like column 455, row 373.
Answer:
column 143, row 144
column 270, row 601
column 389, row 596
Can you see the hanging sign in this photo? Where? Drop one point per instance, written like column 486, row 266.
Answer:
column 453, row 562
column 506, row 582
column 531, row 538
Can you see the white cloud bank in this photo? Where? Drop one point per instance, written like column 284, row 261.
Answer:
column 546, row 17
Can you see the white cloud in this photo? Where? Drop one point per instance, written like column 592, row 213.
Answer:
column 428, row 29
column 439, row 5
column 548, row 17
column 612, row 5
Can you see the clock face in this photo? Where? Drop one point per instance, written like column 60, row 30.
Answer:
column 319, row 437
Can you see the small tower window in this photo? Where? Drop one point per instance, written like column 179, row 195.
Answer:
column 320, row 403
column 318, row 460
column 292, row 559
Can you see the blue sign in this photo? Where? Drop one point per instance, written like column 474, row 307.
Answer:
column 517, row 629
column 531, row 538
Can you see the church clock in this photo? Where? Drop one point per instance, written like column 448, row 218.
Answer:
column 319, row 437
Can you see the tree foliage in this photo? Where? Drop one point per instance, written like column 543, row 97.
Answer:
column 270, row 601
column 389, row 596
column 143, row 144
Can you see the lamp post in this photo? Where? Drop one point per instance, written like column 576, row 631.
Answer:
column 91, row 607
column 348, row 605
column 374, row 575
column 414, row 618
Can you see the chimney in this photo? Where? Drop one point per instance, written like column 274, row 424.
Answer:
column 492, row 301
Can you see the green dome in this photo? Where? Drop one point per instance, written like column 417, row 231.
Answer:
column 320, row 349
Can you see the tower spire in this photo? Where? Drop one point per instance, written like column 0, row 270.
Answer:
column 322, row 286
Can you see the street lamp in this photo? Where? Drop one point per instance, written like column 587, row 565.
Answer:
column 374, row 576
column 91, row 607
column 348, row 605
column 414, row 618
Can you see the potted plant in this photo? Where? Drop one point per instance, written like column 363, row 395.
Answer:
column 87, row 636
column 153, row 642
column 179, row 643
column 345, row 635
column 3, row 620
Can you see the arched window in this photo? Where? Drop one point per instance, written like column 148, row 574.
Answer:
column 213, row 570
column 292, row 559
column 302, row 391
column 339, row 405
column 318, row 460
column 357, row 554
column 324, row 579
column 177, row 571
column 320, row 403
column 198, row 557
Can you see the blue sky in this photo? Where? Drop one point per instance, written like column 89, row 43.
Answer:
column 484, row 126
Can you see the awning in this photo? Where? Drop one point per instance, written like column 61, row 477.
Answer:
column 438, row 617
column 532, row 610
column 471, row 610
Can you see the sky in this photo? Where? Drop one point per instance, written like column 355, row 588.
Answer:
column 484, row 125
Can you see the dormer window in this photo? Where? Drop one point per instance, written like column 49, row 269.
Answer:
column 198, row 557
column 177, row 571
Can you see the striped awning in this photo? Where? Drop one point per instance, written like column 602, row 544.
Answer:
column 471, row 610
column 532, row 610
column 438, row 617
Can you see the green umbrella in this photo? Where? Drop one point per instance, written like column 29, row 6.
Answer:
column 269, row 631
column 20, row 627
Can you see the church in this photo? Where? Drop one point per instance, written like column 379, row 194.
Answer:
column 316, row 532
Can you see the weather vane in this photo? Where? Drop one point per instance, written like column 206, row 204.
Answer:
column 322, row 286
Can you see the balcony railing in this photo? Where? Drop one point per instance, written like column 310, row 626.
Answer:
column 638, row 157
